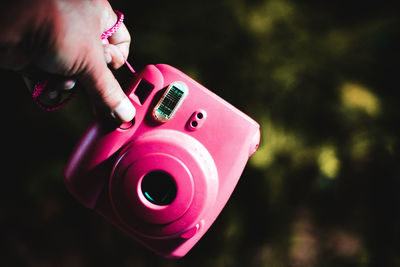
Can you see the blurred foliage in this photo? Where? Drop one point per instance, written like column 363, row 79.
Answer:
column 322, row 80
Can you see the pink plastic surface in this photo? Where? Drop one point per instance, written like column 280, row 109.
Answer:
column 205, row 159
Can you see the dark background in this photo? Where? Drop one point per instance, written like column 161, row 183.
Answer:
column 321, row 77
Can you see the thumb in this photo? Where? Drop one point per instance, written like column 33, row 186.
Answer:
column 104, row 88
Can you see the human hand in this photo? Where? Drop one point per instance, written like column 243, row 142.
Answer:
column 62, row 38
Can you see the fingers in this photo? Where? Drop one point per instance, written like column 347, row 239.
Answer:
column 122, row 40
column 63, row 85
column 87, row 62
column 113, row 56
column 68, row 84
column 116, row 50
column 102, row 85
column 32, row 75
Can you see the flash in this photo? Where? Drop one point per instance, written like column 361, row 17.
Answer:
column 170, row 101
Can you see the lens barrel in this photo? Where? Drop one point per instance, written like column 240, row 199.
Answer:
column 159, row 188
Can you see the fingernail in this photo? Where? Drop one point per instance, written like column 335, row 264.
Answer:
column 69, row 84
column 125, row 111
column 108, row 58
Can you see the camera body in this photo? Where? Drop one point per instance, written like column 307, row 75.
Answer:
column 164, row 177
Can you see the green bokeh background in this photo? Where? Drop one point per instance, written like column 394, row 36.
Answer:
column 322, row 80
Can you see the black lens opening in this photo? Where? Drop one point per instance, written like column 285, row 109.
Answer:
column 159, row 188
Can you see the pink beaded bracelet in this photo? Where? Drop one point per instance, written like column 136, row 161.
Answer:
column 107, row 34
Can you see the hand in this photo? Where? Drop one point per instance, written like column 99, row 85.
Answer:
column 62, row 37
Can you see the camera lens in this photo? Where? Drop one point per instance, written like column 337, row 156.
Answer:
column 159, row 188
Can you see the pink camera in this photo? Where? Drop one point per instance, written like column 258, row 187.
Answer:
column 164, row 177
